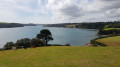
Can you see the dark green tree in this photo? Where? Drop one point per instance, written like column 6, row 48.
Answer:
column 45, row 35
column 23, row 42
column 8, row 45
column 36, row 42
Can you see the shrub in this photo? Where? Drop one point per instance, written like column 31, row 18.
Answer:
column 95, row 43
column 23, row 42
column 37, row 42
column 67, row 44
column 8, row 45
column 109, row 31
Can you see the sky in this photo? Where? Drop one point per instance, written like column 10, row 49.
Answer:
column 59, row 11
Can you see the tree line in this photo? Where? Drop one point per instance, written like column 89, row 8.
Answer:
column 10, row 25
column 88, row 25
column 110, row 31
column 41, row 39
column 111, row 28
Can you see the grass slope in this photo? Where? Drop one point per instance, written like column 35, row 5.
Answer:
column 111, row 28
column 110, row 41
column 61, row 57
column 70, row 26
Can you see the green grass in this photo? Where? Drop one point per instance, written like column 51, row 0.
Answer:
column 111, row 28
column 110, row 41
column 61, row 57
column 70, row 26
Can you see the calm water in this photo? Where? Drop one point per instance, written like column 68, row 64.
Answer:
column 75, row 37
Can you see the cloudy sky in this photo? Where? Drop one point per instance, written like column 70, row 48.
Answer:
column 59, row 11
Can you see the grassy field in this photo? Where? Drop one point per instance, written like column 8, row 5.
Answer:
column 111, row 28
column 70, row 26
column 61, row 57
column 110, row 41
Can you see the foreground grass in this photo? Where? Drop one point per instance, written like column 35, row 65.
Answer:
column 61, row 57
column 110, row 41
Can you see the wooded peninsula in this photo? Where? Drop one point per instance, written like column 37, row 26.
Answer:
column 12, row 25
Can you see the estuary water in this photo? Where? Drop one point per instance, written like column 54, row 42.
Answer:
column 73, row 36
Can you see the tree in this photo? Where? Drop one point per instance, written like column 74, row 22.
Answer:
column 36, row 42
column 23, row 42
column 8, row 45
column 45, row 35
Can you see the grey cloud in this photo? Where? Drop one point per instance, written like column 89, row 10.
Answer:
column 88, row 10
column 110, row 8
column 110, row 4
column 73, row 11
column 109, row 0
column 113, row 13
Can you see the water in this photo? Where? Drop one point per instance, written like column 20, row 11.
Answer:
column 75, row 37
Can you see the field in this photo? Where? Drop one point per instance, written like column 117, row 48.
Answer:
column 110, row 41
column 61, row 57
column 70, row 26
column 111, row 28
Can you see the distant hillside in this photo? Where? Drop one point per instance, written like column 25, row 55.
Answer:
column 10, row 25
column 60, row 25
column 87, row 25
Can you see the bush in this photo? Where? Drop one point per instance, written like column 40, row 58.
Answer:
column 8, row 45
column 37, row 42
column 111, row 31
column 23, row 42
column 95, row 43
column 67, row 44
column 1, row 49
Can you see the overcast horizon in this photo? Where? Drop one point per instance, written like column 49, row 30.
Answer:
column 59, row 11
